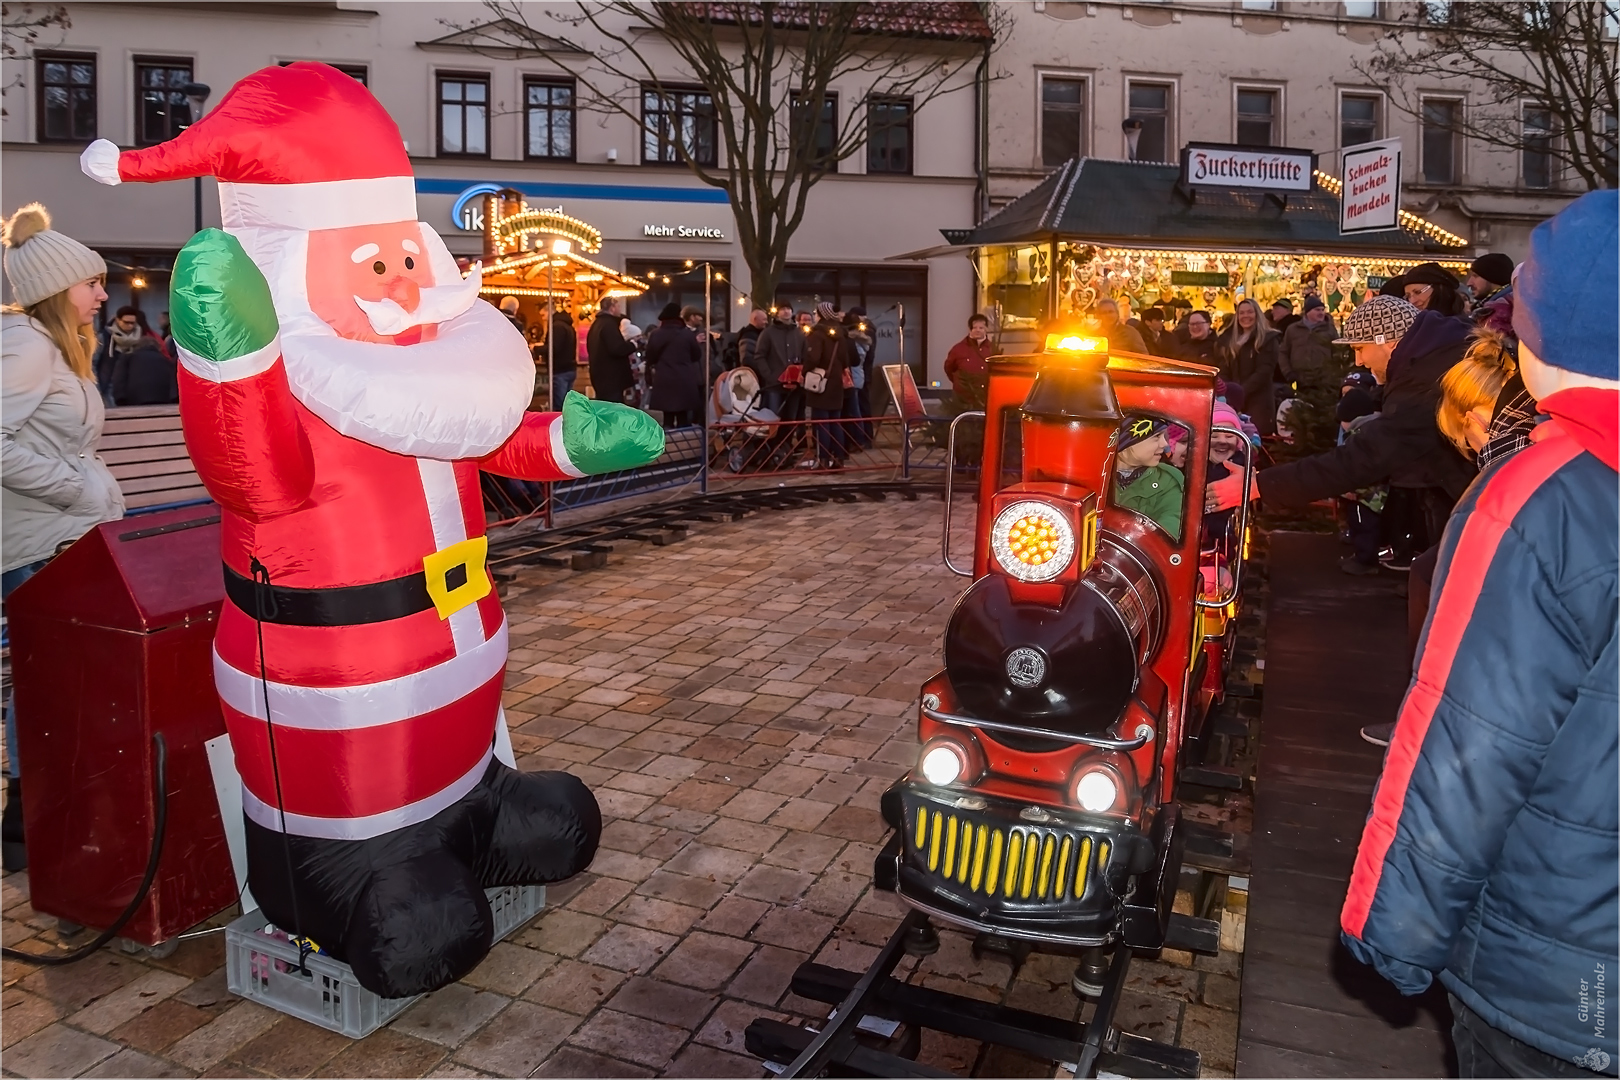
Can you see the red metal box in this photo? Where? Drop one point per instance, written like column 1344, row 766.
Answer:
column 111, row 642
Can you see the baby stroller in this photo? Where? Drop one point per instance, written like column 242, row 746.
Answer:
column 749, row 441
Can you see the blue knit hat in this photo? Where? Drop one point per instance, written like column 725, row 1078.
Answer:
column 1564, row 301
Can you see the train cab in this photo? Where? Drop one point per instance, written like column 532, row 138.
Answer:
column 1078, row 662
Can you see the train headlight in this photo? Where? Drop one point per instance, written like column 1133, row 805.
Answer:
column 943, row 764
column 1096, row 791
column 1032, row 541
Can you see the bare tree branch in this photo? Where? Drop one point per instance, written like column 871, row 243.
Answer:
column 769, row 69
column 22, row 26
column 1557, row 57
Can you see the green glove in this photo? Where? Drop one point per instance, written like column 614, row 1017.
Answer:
column 219, row 302
column 602, row 436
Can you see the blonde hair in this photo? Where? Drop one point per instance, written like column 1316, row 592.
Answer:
column 57, row 315
column 1261, row 331
column 1474, row 382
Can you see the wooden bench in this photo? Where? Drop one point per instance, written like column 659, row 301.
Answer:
column 146, row 452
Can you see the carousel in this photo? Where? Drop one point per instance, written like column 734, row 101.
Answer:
column 1130, row 231
column 540, row 257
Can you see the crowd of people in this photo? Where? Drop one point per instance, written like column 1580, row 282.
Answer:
column 813, row 364
column 1489, row 858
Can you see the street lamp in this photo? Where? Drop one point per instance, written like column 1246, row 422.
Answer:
column 560, row 248
column 196, row 95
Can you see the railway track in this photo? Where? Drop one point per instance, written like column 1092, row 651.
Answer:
column 586, row 545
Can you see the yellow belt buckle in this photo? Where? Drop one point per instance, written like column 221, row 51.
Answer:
column 456, row 576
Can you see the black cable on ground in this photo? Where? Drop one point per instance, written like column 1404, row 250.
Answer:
column 160, row 827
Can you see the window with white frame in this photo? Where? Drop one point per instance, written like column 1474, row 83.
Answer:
column 1361, row 9
column 1259, row 5
column 1063, row 119
column 1535, row 153
column 1152, row 103
column 1257, row 116
column 1439, row 120
column 1360, row 118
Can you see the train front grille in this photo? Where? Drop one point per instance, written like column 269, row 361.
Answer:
column 1000, row 863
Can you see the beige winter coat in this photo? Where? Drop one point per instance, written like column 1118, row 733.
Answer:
column 55, row 488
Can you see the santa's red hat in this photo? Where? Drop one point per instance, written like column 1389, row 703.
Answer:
column 297, row 147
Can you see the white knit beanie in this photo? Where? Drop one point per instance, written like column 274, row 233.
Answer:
column 40, row 262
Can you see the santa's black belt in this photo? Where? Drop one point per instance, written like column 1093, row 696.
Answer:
column 342, row 605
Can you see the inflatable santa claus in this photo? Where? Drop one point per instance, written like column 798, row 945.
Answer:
column 341, row 387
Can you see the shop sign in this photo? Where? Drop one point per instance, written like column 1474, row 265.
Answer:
column 683, row 232
column 1270, row 169
column 1371, row 199
column 467, row 212
column 1215, row 279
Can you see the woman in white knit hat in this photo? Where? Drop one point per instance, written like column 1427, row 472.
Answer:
column 53, row 487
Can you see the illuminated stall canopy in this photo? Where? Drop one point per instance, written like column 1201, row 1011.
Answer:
column 1134, row 232
column 536, row 255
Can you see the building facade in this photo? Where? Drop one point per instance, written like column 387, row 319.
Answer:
column 478, row 112
column 1258, row 72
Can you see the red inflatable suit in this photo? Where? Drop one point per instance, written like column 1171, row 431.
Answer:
column 342, row 385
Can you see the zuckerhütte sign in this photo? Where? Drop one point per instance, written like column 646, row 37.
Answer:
column 1266, row 169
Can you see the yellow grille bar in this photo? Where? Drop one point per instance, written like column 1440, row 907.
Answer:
column 1022, row 863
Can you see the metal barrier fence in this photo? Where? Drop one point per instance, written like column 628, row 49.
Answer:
column 775, row 452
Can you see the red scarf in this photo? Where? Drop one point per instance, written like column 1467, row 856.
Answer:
column 1589, row 416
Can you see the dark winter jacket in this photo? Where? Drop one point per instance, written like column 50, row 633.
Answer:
column 1403, row 446
column 1489, row 855
column 1252, row 366
column 779, row 345
column 609, row 359
column 676, row 359
column 564, row 348
column 1305, row 349
column 1181, row 346
column 145, row 376
column 826, row 348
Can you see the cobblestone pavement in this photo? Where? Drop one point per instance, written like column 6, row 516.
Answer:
column 738, row 702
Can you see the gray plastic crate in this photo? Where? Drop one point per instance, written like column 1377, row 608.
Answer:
column 262, row 965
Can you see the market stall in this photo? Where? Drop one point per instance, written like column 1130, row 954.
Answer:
column 540, row 256
column 1136, row 232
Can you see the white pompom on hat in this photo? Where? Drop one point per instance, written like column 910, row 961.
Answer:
column 41, row 262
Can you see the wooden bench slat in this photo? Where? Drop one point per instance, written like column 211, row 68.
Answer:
column 118, row 412
column 174, row 467
column 145, row 438
column 137, row 454
column 154, row 483
column 139, row 500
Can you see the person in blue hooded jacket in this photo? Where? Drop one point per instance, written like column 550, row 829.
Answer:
column 1491, row 856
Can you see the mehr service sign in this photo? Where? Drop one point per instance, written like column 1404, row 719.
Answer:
column 1269, row 168
column 1371, row 199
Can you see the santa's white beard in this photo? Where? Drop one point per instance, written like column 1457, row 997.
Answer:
column 460, row 395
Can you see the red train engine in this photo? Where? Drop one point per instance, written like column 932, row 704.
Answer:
column 1078, row 664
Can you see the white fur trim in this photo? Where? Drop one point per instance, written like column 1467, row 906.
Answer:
column 328, row 204
column 364, row 828
column 100, row 162
column 234, row 370
column 449, row 527
column 559, row 452
column 344, row 708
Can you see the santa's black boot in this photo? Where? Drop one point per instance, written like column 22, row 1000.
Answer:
column 419, row 925
column 547, row 826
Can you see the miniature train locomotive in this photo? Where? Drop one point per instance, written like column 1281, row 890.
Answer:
column 1080, row 666
column 1086, row 652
